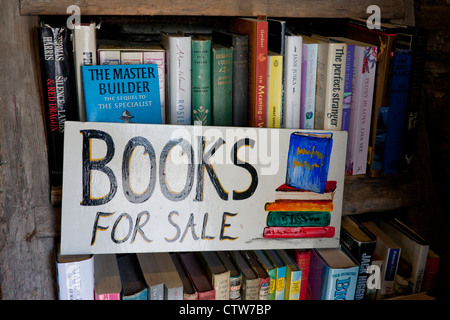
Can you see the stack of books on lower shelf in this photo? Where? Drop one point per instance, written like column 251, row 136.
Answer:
column 377, row 259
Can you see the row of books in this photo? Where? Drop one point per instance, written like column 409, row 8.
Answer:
column 377, row 259
column 257, row 73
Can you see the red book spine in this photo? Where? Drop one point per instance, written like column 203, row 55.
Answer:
column 303, row 258
column 299, row 232
column 261, row 75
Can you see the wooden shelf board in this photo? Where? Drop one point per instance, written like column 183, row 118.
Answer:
column 390, row 9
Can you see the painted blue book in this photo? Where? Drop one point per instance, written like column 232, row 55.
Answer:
column 308, row 160
column 332, row 275
column 122, row 93
column 393, row 151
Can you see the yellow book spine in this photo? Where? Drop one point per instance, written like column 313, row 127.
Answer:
column 274, row 82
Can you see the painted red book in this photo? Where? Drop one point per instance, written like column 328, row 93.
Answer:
column 285, row 192
column 198, row 276
column 257, row 31
column 299, row 232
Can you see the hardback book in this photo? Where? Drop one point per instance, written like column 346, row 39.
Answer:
column 152, row 276
column 122, row 93
column 389, row 252
column 131, row 57
column 385, row 40
column 157, row 55
column 285, row 192
column 308, row 160
column 74, row 276
column 133, row 283
column 330, row 81
column 308, row 83
column 106, row 277
column 173, row 286
column 198, row 275
column 431, row 271
column 58, row 92
column 374, row 280
column 264, row 278
column 332, row 275
column 391, row 157
column 293, row 81
column 274, row 89
column 360, row 243
column 235, row 275
column 218, row 274
column 201, row 81
column 293, row 276
column 178, row 74
column 250, row 281
column 108, row 57
column 222, row 85
column 85, row 54
column 189, row 292
column 239, row 43
column 303, row 258
column 257, row 57
column 280, row 285
column 347, row 86
column 363, row 84
column 414, row 248
column 270, row 269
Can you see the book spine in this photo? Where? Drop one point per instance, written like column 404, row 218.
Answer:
column 131, row 57
column 221, row 283
column 302, row 259
column 201, row 82
column 430, row 273
column 179, row 64
column 330, row 114
column 293, row 81
column 158, row 58
column 85, row 47
column 235, row 288
column 298, row 232
column 264, row 289
column 293, row 285
column 340, row 284
column 107, row 296
column 301, row 205
column 108, row 57
column 392, row 155
column 298, row 219
column 308, row 85
column 389, row 271
column 364, row 71
column 348, row 87
column 240, row 81
column 57, row 78
column 221, row 85
column 76, row 280
column 274, row 89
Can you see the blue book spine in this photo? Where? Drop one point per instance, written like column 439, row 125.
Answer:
column 280, row 286
column 340, row 284
column 348, row 87
column 308, row 161
column 392, row 159
column 122, row 93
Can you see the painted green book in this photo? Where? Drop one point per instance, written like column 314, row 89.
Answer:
column 221, row 85
column 201, row 81
column 298, row 219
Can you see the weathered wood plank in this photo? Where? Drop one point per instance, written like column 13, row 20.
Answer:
column 288, row 8
column 26, row 261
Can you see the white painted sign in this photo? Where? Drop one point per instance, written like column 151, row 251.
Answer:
column 157, row 188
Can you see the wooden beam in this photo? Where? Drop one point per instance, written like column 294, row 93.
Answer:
column 288, row 8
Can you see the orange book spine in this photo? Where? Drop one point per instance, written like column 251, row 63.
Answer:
column 306, row 205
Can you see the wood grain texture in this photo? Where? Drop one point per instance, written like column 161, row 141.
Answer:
column 26, row 260
column 288, row 8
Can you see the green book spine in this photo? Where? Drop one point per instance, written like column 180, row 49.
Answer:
column 201, row 81
column 222, row 78
column 298, row 219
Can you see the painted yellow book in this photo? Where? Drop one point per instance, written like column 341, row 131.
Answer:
column 274, row 93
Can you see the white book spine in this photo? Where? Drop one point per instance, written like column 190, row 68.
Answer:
column 108, row 57
column 308, row 84
column 85, row 49
column 76, row 280
column 131, row 57
column 292, row 81
column 158, row 58
column 179, row 64
column 364, row 68
column 330, row 85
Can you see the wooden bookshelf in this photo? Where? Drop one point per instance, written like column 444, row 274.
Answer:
column 28, row 220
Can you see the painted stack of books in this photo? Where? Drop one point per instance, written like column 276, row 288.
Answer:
column 300, row 213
